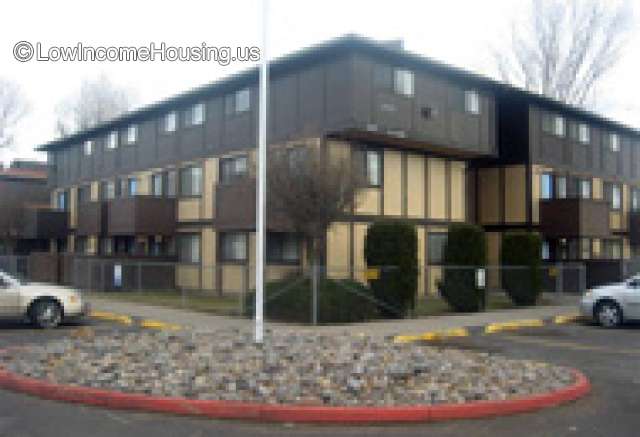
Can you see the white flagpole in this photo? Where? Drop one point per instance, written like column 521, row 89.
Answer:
column 261, row 180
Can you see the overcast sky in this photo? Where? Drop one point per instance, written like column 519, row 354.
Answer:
column 454, row 31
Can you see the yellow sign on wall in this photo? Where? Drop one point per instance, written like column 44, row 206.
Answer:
column 373, row 273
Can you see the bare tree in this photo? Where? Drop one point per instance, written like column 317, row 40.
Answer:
column 309, row 193
column 96, row 101
column 563, row 49
column 12, row 108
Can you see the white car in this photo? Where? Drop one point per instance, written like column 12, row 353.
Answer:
column 44, row 305
column 611, row 305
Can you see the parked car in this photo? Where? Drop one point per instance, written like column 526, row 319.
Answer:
column 44, row 305
column 614, row 304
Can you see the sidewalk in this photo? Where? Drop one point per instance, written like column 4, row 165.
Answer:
column 383, row 327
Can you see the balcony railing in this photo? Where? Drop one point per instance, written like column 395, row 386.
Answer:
column 141, row 215
column 44, row 223
column 92, row 218
column 235, row 206
column 574, row 217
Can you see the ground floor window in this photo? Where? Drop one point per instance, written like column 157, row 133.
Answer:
column 189, row 248
column 436, row 242
column 233, row 246
column 81, row 245
column 106, row 246
column 283, row 247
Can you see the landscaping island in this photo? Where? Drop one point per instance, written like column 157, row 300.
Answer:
column 290, row 368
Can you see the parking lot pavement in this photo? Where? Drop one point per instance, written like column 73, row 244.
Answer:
column 610, row 358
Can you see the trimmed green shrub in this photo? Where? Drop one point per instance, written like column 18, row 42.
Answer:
column 392, row 246
column 523, row 281
column 339, row 301
column 466, row 246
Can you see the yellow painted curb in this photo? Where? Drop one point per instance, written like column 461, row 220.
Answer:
column 566, row 318
column 112, row 317
column 432, row 335
column 156, row 324
column 405, row 338
column 513, row 325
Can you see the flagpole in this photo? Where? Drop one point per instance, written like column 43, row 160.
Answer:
column 261, row 180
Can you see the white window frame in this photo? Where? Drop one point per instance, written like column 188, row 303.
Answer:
column 170, row 123
column 242, row 101
column 132, row 134
column 559, row 126
column 614, row 142
column 112, row 140
column 616, row 197
column 584, row 133
column 88, row 148
column 373, row 167
column 403, row 82
column 472, row 102
column 197, row 114
column 132, row 186
column 584, row 183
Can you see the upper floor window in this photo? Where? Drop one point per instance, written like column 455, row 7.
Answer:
column 233, row 246
column 156, row 184
column 545, row 250
column 84, row 194
column 403, row 82
column 62, row 202
column 584, row 133
column 373, row 167
column 189, row 248
column 197, row 114
column 132, row 134
column 613, row 139
column 472, row 102
column 561, row 187
column 112, row 140
column 191, row 181
column 132, row 186
column 283, row 247
column 613, row 195
column 635, row 199
column 554, row 124
column 546, row 186
column 88, row 148
column 232, row 168
column 108, row 190
column 584, row 188
column 170, row 122
column 238, row 102
column 172, row 183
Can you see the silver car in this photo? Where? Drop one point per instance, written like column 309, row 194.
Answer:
column 614, row 304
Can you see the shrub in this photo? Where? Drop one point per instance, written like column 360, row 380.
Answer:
column 393, row 247
column 522, row 282
column 339, row 301
column 465, row 247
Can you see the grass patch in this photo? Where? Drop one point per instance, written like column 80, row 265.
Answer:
column 434, row 305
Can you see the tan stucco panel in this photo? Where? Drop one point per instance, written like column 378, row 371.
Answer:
column 368, row 202
column 95, row 191
column 489, row 195
column 434, row 277
column 234, row 278
column 458, row 191
column 360, row 264
column 596, row 246
column 515, row 202
column 73, row 207
column 416, row 207
column 189, row 209
column 494, row 241
column 143, row 183
column 436, row 185
column 597, row 188
column 338, row 250
column 210, row 176
column 92, row 245
column 626, row 248
column 392, row 183
column 208, row 258
column 614, row 220
column 188, row 276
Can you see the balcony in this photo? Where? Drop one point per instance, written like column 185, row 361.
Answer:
column 44, row 223
column 634, row 228
column 141, row 215
column 92, row 219
column 235, row 208
column 562, row 218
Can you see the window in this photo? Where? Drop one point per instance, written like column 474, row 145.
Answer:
column 546, row 186
column 553, row 124
column 156, row 185
column 403, row 82
column 614, row 142
column 88, row 148
column 132, row 187
column 436, row 242
column 612, row 249
column 613, row 195
column 172, row 183
column 197, row 114
column 157, row 246
column 584, row 186
column 62, row 201
column 112, row 140
column 132, row 134
column 233, row 246
column 108, row 190
column 238, row 102
column 84, row 194
column 191, row 181
column 170, row 122
column 189, row 248
column 81, row 245
column 584, row 133
column 283, row 248
column 472, row 102
column 106, row 246
column 545, row 251
column 585, row 248
column 561, row 187
column 635, row 199
column 232, row 168
column 373, row 168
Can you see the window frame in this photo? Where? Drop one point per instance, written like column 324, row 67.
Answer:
column 584, row 128
column 377, row 181
column 191, row 259
column 439, row 260
column 170, row 120
column 192, row 170
column 222, row 249
column 282, row 238
column 132, row 128
column 193, row 121
column 403, row 82
column 472, row 102
column 87, row 148
column 551, row 187
column 243, row 97
column 112, row 140
column 154, row 185
column 226, row 178
column 614, row 146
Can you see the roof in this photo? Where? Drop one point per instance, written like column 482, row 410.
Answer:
column 349, row 43
column 23, row 174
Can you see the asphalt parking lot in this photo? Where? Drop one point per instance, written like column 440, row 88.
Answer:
column 610, row 358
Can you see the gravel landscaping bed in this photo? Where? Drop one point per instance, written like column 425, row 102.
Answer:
column 300, row 368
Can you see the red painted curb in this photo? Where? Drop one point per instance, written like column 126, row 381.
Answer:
column 290, row 412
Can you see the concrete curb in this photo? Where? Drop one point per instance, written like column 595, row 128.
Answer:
column 292, row 413
column 491, row 328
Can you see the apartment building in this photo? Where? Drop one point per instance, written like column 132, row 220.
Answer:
column 438, row 145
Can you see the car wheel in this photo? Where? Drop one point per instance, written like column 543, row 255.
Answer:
column 609, row 314
column 46, row 314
